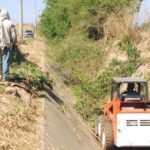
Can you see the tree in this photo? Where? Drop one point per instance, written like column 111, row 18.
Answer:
column 60, row 15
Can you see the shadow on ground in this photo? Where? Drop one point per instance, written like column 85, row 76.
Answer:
column 51, row 96
column 17, row 57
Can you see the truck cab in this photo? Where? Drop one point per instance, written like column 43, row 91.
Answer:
column 121, row 90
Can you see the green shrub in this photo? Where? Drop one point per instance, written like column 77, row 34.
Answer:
column 114, row 5
column 55, row 20
column 132, row 52
column 88, row 108
column 100, row 87
column 59, row 16
column 109, row 6
column 31, row 75
column 128, row 68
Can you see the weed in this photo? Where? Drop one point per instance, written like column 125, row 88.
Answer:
column 88, row 108
column 132, row 52
column 31, row 75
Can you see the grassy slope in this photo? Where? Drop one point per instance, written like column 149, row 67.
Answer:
column 86, row 64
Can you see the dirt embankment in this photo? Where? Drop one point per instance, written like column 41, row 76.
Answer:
column 63, row 128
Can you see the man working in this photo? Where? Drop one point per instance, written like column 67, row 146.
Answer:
column 7, row 40
column 130, row 92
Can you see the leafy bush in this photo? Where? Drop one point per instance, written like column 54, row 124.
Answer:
column 132, row 52
column 128, row 68
column 59, row 16
column 100, row 87
column 56, row 23
column 31, row 75
column 88, row 108
column 114, row 4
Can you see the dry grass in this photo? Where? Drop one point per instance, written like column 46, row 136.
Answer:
column 119, row 25
column 18, row 125
column 34, row 48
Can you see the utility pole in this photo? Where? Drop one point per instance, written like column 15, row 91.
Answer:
column 21, row 21
column 35, row 26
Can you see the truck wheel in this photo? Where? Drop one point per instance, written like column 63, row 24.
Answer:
column 107, row 138
column 98, row 126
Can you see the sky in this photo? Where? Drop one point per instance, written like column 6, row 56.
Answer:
column 144, row 13
column 29, row 9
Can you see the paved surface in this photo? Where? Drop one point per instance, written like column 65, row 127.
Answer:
column 64, row 131
column 60, row 131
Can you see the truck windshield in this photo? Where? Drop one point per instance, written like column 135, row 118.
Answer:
column 134, row 89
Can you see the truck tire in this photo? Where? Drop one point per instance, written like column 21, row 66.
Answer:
column 98, row 126
column 107, row 138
